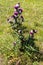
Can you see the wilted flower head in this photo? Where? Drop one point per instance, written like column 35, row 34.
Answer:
column 21, row 16
column 10, row 20
column 20, row 11
column 17, row 6
column 34, row 31
column 20, row 31
column 12, row 16
column 14, row 43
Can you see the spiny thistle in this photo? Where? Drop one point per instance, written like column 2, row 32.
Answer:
column 26, row 45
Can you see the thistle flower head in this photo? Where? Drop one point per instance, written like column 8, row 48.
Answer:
column 20, row 10
column 31, row 32
column 17, row 6
column 15, row 14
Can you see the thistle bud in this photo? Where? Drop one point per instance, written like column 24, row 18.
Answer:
column 14, row 43
column 22, row 18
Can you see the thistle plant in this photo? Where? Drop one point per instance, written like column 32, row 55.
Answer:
column 16, row 20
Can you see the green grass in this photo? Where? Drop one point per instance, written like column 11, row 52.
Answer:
column 33, row 14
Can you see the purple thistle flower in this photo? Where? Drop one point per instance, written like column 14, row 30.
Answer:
column 17, row 6
column 20, row 11
column 31, row 32
column 16, row 13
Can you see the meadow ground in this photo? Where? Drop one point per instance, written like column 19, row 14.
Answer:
column 33, row 14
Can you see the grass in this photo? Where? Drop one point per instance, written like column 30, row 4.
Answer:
column 33, row 14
